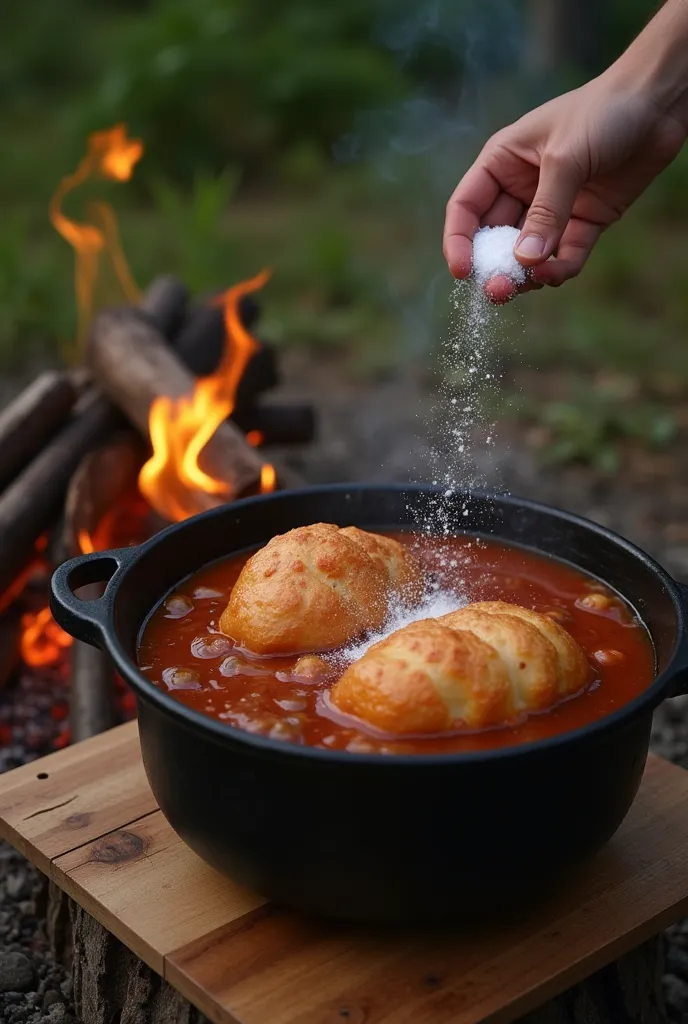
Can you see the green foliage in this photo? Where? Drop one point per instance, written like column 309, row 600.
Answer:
column 34, row 284
column 593, row 424
column 192, row 234
column 211, row 81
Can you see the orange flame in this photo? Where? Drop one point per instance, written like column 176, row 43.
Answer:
column 110, row 154
column 42, row 640
column 268, row 478
column 86, row 545
column 172, row 480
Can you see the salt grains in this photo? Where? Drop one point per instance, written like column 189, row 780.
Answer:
column 493, row 255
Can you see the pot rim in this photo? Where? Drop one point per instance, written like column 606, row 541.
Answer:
column 221, row 732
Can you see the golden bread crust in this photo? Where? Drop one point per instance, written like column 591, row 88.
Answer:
column 572, row 666
column 315, row 588
column 425, row 678
column 485, row 665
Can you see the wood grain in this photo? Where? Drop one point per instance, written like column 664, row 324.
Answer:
column 242, row 961
column 89, row 789
column 149, row 889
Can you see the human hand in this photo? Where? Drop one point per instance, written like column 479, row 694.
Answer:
column 562, row 174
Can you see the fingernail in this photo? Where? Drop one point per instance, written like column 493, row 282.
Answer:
column 530, row 247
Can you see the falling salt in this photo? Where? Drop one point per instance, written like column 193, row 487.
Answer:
column 493, row 254
column 437, row 602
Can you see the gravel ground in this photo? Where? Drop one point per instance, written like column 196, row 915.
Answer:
column 372, row 432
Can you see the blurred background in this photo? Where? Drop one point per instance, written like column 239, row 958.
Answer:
column 323, row 140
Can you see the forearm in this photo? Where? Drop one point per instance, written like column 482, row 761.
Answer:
column 656, row 63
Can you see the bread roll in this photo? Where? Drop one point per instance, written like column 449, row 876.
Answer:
column 317, row 587
column 486, row 665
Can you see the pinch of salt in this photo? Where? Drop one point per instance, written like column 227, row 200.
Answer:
column 493, row 254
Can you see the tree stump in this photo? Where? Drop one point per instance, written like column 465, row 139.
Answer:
column 112, row 986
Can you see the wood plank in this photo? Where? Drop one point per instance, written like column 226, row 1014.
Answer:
column 241, row 960
column 280, row 969
column 73, row 796
column 149, row 889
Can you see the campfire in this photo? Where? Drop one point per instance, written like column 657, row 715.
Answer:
column 160, row 415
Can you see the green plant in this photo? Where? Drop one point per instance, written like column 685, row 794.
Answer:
column 192, row 236
column 591, row 426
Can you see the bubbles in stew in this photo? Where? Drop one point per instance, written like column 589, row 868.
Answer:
column 184, row 653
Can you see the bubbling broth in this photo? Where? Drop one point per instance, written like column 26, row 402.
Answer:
column 184, row 653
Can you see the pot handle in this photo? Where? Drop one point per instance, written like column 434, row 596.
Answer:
column 680, row 684
column 87, row 619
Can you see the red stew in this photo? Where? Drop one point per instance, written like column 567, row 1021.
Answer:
column 183, row 652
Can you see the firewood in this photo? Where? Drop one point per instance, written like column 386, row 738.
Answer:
column 103, row 477
column 165, row 302
column 132, row 364
column 10, row 633
column 28, row 422
column 279, row 424
column 201, row 342
column 92, row 688
column 30, row 505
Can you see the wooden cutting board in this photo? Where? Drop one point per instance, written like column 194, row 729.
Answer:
column 87, row 818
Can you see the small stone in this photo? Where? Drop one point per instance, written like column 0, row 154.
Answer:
column 677, row 961
column 676, row 993
column 16, row 973
column 52, row 997
column 57, row 1013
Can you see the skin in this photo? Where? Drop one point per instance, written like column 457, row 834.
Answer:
column 568, row 169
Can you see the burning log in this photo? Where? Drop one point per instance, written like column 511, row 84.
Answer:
column 278, row 424
column 29, row 422
column 132, row 364
column 104, row 476
column 201, row 342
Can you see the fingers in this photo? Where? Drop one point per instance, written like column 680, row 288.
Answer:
column 576, row 245
column 500, row 289
column 506, row 209
column 549, row 213
column 472, row 198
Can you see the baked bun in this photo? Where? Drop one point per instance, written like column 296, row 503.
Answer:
column 485, row 665
column 316, row 587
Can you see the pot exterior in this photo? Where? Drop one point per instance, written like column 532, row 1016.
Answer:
column 386, row 842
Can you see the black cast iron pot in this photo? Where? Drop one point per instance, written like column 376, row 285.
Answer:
column 380, row 837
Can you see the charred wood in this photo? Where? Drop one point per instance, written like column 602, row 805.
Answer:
column 28, row 422
column 279, row 424
column 30, row 505
column 132, row 364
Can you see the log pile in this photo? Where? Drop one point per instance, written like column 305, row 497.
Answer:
column 72, row 445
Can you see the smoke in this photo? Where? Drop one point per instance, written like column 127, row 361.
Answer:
column 465, row 58
column 456, row 52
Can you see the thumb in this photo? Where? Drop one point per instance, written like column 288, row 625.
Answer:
column 550, row 211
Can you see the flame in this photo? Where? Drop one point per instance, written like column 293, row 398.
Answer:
column 255, row 438
column 172, row 480
column 268, row 478
column 110, row 154
column 42, row 640
column 86, row 545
